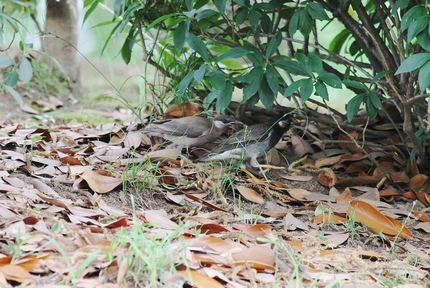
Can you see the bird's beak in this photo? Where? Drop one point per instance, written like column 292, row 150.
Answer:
column 299, row 122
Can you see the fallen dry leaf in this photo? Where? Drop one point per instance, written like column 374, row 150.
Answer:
column 100, row 183
column 366, row 214
column 250, row 194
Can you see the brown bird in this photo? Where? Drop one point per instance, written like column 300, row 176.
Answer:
column 192, row 131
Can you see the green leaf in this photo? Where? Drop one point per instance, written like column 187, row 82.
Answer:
column 232, row 64
column 293, row 87
column 241, row 15
column 13, row 22
column 321, row 90
column 191, row 13
column 272, row 79
column 179, row 35
column 234, row 53
column 197, row 45
column 306, row 89
column 292, row 67
column 305, row 22
column 10, row 78
column 183, row 85
column 225, row 97
column 189, row 4
column 117, row 7
column 304, row 62
column 164, row 18
column 127, row 48
column 220, row 5
column 256, row 76
column 354, row 105
column 315, row 63
column 375, row 99
column 399, row 4
column 210, row 98
column 331, row 80
column 254, row 54
column 265, row 6
column 316, row 11
column 417, row 26
column 338, row 41
column 254, row 17
column 294, row 23
column 244, row 3
column 200, row 73
column 354, row 49
column 370, row 108
column 205, row 14
column 109, row 37
column 424, row 77
column 380, row 75
column 267, row 97
column 424, row 40
column 411, row 15
column 413, row 62
column 218, row 80
column 5, row 61
column 25, row 70
column 91, row 10
column 273, row 45
column 354, row 84
column 266, row 23
column 15, row 94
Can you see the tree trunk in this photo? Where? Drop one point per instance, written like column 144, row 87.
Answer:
column 62, row 21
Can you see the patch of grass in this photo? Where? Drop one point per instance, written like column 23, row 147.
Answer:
column 141, row 176
column 248, row 218
column 149, row 259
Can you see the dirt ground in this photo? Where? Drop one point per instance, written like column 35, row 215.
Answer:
column 234, row 209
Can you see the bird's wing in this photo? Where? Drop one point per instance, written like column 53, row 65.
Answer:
column 244, row 138
column 194, row 128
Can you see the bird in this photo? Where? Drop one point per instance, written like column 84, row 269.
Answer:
column 191, row 131
column 251, row 142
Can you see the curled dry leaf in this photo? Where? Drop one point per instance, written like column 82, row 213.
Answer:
column 259, row 230
column 345, row 197
column 99, row 183
column 301, row 178
column 200, row 280
column 329, row 218
column 291, row 223
column 160, row 221
column 250, row 194
column 417, row 181
column 216, row 244
column 16, row 273
column 183, row 110
column 327, row 177
column 349, row 146
column 368, row 215
column 421, row 216
column 298, row 193
column 322, row 162
column 300, row 146
column 259, row 254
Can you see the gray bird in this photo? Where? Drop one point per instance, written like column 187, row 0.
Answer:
column 192, row 131
column 252, row 142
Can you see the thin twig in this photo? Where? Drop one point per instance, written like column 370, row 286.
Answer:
column 371, row 158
